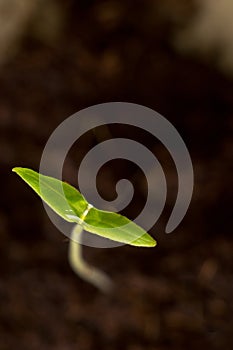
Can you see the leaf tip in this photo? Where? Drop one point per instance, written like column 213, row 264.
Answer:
column 145, row 241
column 151, row 244
column 16, row 170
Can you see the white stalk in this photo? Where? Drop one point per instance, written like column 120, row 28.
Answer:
column 94, row 276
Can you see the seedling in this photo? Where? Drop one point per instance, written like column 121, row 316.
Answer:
column 70, row 204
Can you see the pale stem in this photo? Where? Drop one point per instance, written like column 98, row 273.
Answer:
column 89, row 273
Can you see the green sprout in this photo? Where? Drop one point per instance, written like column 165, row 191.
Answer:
column 70, row 204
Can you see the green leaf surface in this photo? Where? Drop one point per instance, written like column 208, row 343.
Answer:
column 63, row 198
column 69, row 203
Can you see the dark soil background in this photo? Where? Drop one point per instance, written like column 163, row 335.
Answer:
column 175, row 296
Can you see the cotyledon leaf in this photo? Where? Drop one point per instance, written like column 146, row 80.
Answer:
column 63, row 198
column 69, row 203
column 116, row 227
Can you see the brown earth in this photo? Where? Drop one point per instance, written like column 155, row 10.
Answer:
column 175, row 296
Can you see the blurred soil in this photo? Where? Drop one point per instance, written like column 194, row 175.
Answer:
column 175, row 296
